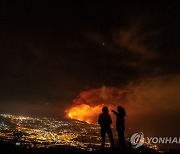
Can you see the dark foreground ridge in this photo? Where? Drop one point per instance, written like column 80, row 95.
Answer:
column 10, row 148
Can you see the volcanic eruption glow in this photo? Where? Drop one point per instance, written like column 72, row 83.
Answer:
column 89, row 104
column 84, row 112
column 87, row 113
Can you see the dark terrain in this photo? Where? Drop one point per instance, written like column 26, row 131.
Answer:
column 10, row 148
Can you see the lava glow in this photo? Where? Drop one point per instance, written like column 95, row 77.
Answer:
column 84, row 112
column 88, row 105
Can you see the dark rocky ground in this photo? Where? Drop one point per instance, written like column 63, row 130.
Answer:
column 10, row 148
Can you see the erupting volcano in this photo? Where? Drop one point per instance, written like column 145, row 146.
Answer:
column 84, row 112
column 89, row 104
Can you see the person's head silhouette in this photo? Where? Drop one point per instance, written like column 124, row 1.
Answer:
column 105, row 109
column 121, row 110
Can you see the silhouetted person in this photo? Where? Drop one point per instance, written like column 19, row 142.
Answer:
column 105, row 121
column 120, row 125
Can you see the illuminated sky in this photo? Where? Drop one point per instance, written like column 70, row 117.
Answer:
column 51, row 52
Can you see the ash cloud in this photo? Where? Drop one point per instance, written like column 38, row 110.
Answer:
column 102, row 95
column 150, row 103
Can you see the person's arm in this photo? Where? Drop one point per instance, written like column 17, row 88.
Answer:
column 115, row 113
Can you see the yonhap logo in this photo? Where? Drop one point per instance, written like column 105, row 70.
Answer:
column 137, row 140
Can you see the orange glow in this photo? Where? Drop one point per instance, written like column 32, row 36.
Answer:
column 70, row 115
column 84, row 112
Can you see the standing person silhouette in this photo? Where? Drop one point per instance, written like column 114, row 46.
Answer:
column 120, row 125
column 105, row 121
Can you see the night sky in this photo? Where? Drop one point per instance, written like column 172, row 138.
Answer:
column 50, row 52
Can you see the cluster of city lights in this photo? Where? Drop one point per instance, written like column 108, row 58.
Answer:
column 49, row 132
